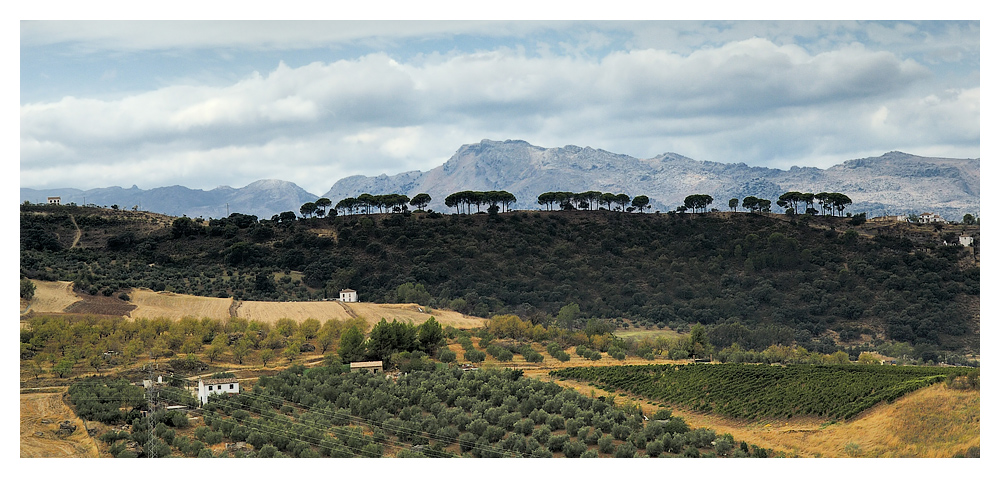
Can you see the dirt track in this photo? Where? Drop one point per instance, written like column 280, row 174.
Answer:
column 36, row 407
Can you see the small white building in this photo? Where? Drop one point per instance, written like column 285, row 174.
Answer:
column 890, row 219
column 55, row 200
column 965, row 241
column 930, row 218
column 348, row 295
column 373, row 367
column 212, row 386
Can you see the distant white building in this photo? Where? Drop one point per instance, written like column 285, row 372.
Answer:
column 965, row 241
column 348, row 295
column 888, row 219
column 373, row 367
column 212, row 386
column 55, row 200
column 930, row 218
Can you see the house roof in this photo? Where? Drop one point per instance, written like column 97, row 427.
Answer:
column 376, row 363
column 348, row 290
column 216, row 381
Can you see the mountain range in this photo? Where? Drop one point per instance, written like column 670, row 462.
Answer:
column 894, row 183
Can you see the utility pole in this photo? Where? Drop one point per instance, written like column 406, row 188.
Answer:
column 227, row 209
column 151, row 396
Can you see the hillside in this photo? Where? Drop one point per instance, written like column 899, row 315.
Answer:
column 759, row 280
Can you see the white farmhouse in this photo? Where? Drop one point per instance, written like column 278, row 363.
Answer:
column 211, row 386
column 54, row 200
column 348, row 295
column 930, row 218
column 965, row 241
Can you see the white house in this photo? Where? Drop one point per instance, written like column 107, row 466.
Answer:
column 211, row 386
column 899, row 218
column 375, row 366
column 348, row 295
column 929, row 218
column 965, row 241
column 55, row 200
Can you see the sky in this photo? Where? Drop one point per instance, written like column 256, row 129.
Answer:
column 209, row 103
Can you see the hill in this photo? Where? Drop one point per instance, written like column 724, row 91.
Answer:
column 758, row 280
column 894, row 183
column 263, row 198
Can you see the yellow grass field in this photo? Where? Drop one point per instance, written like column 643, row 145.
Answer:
column 50, row 297
column 270, row 312
column 151, row 305
column 412, row 313
column 933, row 422
column 55, row 297
column 41, row 413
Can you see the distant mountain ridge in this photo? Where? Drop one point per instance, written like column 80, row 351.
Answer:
column 263, row 198
column 894, row 183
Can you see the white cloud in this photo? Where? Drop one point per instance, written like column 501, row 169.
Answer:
column 752, row 100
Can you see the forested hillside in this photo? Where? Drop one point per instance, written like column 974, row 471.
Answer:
column 759, row 279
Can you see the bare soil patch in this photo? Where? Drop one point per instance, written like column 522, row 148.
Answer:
column 100, row 305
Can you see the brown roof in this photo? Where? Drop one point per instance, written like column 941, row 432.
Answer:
column 216, row 381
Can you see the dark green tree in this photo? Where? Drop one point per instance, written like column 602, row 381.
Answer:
column 27, row 289
column 352, row 345
column 640, row 202
column 308, row 209
column 429, row 334
column 420, row 201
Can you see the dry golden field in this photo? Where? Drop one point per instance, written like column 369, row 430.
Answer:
column 50, row 297
column 41, row 414
column 151, row 304
column 57, row 297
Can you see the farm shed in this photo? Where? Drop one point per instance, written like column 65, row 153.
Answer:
column 373, row 367
column 212, row 386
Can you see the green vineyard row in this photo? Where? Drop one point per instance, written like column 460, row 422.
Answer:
column 763, row 391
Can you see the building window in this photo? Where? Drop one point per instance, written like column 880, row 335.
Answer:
column 230, row 386
column 210, row 387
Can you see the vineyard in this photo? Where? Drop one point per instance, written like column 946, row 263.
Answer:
column 762, row 391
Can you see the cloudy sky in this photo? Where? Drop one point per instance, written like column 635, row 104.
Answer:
column 203, row 104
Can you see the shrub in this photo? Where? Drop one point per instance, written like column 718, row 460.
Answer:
column 606, row 444
column 625, row 450
column 654, row 449
column 574, row 448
